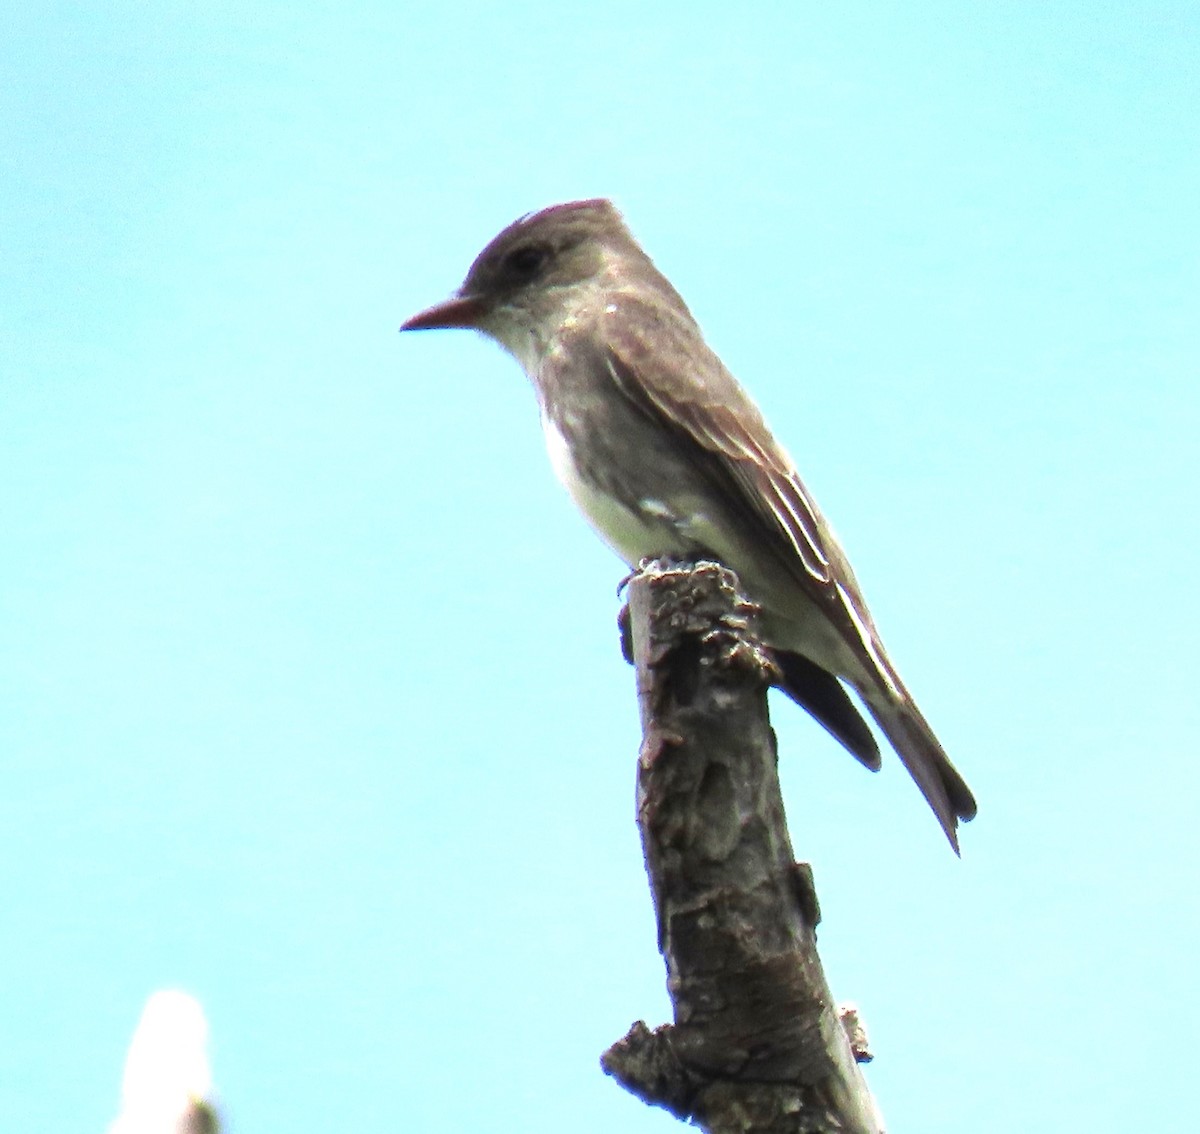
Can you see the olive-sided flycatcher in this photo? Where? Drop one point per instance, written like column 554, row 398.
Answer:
column 666, row 455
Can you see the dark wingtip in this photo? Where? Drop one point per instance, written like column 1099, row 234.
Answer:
column 961, row 798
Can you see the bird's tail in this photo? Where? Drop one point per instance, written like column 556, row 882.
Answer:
column 926, row 760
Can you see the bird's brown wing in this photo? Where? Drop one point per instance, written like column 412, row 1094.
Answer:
column 660, row 363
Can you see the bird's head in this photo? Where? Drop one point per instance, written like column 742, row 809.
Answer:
column 527, row 281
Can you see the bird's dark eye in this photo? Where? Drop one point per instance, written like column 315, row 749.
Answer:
column 525, row 262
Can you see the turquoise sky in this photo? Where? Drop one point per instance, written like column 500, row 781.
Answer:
column 310, row 695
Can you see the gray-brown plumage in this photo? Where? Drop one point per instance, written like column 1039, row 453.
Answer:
column 666, row 454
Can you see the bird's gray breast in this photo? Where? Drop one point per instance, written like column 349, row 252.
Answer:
column 639, row 500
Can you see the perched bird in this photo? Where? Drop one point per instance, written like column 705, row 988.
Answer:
column 666, row 455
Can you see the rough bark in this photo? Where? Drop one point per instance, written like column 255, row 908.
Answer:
column 757, row 1044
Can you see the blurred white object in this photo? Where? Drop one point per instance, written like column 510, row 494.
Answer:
column 167, row 1083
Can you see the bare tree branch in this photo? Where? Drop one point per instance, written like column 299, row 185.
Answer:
column 757, row 1044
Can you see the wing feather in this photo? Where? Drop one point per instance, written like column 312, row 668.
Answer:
column 694, row 395
column 659, row 361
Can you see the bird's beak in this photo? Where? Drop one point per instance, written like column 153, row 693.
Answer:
column 457, row 311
